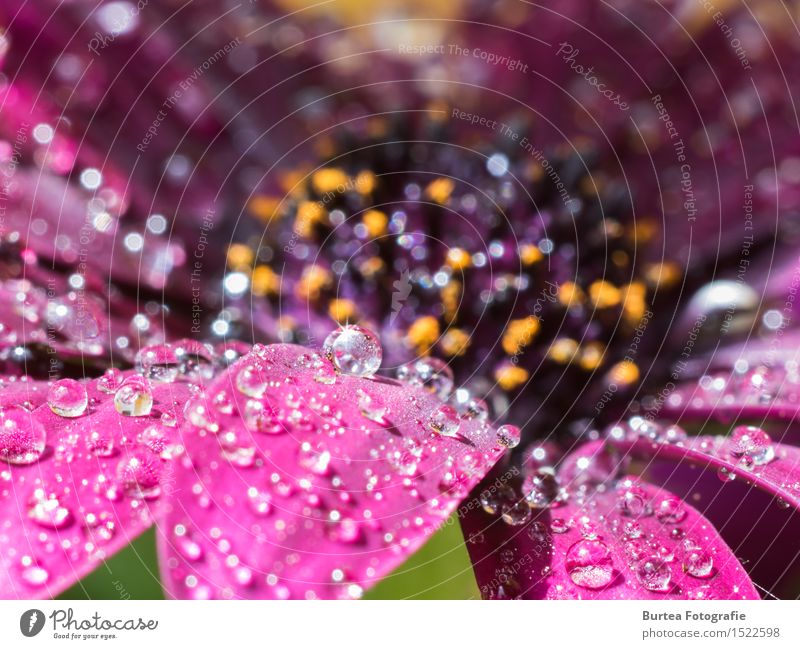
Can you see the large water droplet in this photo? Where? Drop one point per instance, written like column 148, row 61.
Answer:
column 157, row 363
column 653, row 573
column 542, row 489
column 110, row 381
column 508, row 436
column 670, row 510
column 632, row 501
column 371, row 407
column 101, row 443
column 445, row 421
column 251, row 381
column 697, row 562
column 48, row 511
column 752, row 445
column 134, row 398
column 195, row 360
column 430, row 373
column 22, row 436
column 354, row 350
column 139, row 474
column 589, row 564
column 67, row 398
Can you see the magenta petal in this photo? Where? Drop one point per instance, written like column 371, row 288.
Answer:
column 309, row 488
column 609, row 540
column 756, row 507
column 95, row 486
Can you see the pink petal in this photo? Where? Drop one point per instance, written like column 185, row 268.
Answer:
column 300, row 494
column 96, row 485
column 611, row 539
column 756, row 507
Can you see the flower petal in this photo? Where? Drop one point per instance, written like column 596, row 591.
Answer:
column 621, row 539
column 301, row 483
column 95, row 485
column 753, row 498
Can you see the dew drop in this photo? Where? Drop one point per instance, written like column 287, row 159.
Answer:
column 371, row 408
column 22, row 436
column 48, row 511
column 430, row 373
column 752, row 445
column 157, row 363
column 139, row 475
column 589, row 564
column 670, row 510
column 134, row 398
column 542, row 489
column 110, row 381
column 653, row 573
column 354, row 350
column 67, row 398
column 251, row 381
column 508, row 435
column 445, row 421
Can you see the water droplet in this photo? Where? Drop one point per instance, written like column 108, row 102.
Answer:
column 260, row 501
column 354, row 350
column 371, row 408
column 445, row 421
column 47, row 510
column 653, row 573
column 589, row 564
column 134, row 398
column 110, row 381
column 670, row 510
column 67, row 398
column 559, row 526
column 542, row 489
column 22, row 436
column 157, row 363
column 186, row 545
column 139, row 475
column 751, row 445
column 632, row 501
column 696, row 561
column 32, row 572
column 251, row 381
column 508, row 436
column 195, row 360
column 430, row 373
column 101, row 443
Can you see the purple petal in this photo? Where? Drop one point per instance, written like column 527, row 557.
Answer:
column 311, row 488
column 96, row 484
column 753, row 498
column 621, row 539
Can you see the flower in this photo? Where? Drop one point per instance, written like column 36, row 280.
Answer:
column 549, row 218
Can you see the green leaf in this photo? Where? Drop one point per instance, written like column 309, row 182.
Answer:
column 441, row 569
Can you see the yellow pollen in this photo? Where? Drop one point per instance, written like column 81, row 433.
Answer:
column 591, row 356
column 604, row 294
column 510, row 376
column 519, row 334
column 663, row 275
column 365, row 182
column 451, row 298
column 624, row 373
column 342, row 310
column 293, row 182
column 439, row 190
column 309, row 214
column 570, row 294
column 371, row 267
column 265, row 208
column 375, row 221
column 329, row 180
column 455, row 342
column 530, row 254
column 458, row 258
column 423, row 333
column 634, row 304
column 563, row 350
column 312, row 282
column 265, row 281
column 240, row 256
